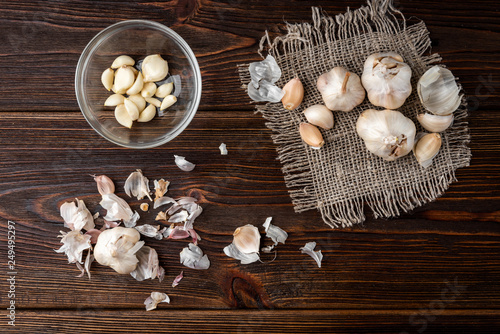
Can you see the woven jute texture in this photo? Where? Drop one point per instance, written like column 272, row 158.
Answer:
column 342, row 176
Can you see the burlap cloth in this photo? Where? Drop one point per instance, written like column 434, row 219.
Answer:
column 340, row 177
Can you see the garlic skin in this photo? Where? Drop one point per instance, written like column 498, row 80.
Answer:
column 74, row 243
column 341, row 89
column 311, row 135
column 137, row 185
column 117, row 248
column 309, row 250
column 438, row 91
column 104, row 184
column 426, row 148
column 117, row 209
column 386, row 79
column 247, row 239
column 154, row 68
column 435, row 123
column 76, row 216
column 386, row 133
column 192, row 257
column 183, row 164
column 319, row 115
column 294, row 94
column 156, row 297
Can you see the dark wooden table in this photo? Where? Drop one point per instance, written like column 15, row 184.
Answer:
column 433, row 270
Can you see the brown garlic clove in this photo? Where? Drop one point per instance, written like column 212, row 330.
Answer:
column 294, row 94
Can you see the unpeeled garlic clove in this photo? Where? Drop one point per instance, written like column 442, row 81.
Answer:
column 149, row 89
column 311, row 135
column 319, row 115
column 122, row 116
column 247, row 239
column 427, row 148
column 294, row 94
column 122, row 61
column 139, row 101
column 114, row 100
column 154, row 68
column 137, row 86
column 124, row 79
column 435, row 123
column 132, row 109
column 153, row 101
column 168, row 101
column 107, row 78
column 438, row 91
column 341, row 89
column 147, row 114
column 164, row 90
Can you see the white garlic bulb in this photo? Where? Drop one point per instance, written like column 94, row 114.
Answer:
column 386, row 133
column 438, row 91
column 435, row 123
column 426, row 148
column 341, row 89
column 386, row 79
column 319, row 115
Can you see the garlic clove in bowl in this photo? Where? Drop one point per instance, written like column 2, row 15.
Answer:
column 438, row 91
column 341, row 89
column 386, row 79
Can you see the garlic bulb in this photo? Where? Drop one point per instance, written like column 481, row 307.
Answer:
column 386, row 133
column 341, row 89
column 426, row 148
column 247, row 239
column 311, row 135
column 435, row 123
column 117, row 248
column 319, row 115
column 438, row 91
column 154, row 68
column 386, row 79
column 294, row 94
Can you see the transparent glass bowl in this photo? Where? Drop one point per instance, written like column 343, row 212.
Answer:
column 137, row 39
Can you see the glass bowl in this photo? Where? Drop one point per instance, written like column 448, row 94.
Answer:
column 138, row 39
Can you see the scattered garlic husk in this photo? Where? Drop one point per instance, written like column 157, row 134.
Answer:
column 438, row 91
column 192, row 257
column 147, row 114
column 156, row 297
column 245, row 258
column 118, row 209
column 132, row 109
column 164, row 90
column 124, row 79
column 294, row 94
column 319, row 115
column 107, row 78
column 247, row 239
column 117, row 248
column 154, row 68
column 137, row 185
column 86, row 267
column 104, row 185
column 386, row 79
column 74, row 243
column 309, row 250
column 161, row 188
column 311, row 135
column 122, row 116
column 435, row 123
column 426, row 148
column 341, row 89
column 148, row 266
column 137, row 86
column 122, row 60
column 114, row 100
column 168, row 101
column 164, row 200
column 223, row 149
column 386, row 133
column 265, row 92
column 150, row 231
column 274, row 232
column 183, row 164
column 178, row 279
column 76, row 216
column 264, row 75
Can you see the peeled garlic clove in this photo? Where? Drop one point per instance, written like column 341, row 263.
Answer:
column 154, row 68
column 122, row 116
column 148, row 90
column 311, row 135
column 114, row 100
column 435, row 123
column 124, row 79
column 153, row 101
column 164, row 90
column 294, row 94
column 132, row 109
column 137, row 86
column 167, row 102
column 247, row 239
column 122, row 61
column 386, row 133
column 107, row 78
column 341, row 89
column 438, row 91
column 319, row 115
column 427, row 148
column 139, row 101
column 147, row 114
column 386, row 79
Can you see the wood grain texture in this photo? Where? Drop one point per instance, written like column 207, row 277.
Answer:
column 433, row 270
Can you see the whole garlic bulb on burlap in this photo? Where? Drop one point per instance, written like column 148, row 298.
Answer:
column 386, row 79
column 341, row 89
column 438, row 91
column 386, row 133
